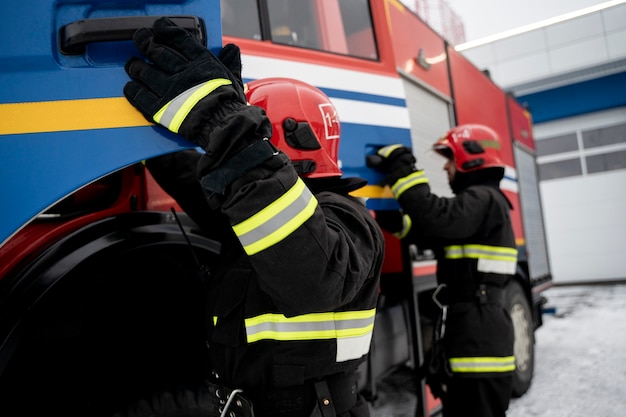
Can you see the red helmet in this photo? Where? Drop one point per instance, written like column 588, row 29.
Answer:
column 473, row 147
column 305, row 124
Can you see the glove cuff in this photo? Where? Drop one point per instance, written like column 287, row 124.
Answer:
column 400, row 172
column 216, row 181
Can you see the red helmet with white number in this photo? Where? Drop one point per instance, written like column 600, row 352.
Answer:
column 473, row 147
column 305, row 124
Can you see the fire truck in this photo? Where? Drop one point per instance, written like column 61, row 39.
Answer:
column 99, row 288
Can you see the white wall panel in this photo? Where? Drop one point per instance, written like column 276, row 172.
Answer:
column 574, row 30
column 614, row 18
column 529, row 43
column 526, row 68
column 616, row 44
column 586, row 227
column 584, row 53
column 585, row 216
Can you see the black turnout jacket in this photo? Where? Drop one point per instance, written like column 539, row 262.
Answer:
column 293, row 297
column 473, row 241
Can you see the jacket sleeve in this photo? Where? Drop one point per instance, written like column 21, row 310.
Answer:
column 176, row 174
column 435, row 217
column 312, row 253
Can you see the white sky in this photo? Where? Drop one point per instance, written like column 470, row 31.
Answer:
column 487, row 17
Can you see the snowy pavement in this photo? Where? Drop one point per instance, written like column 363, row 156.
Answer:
column 580, row 360
column 580, row 356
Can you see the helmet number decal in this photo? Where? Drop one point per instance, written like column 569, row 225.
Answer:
column 331, row 121
column 464, row 134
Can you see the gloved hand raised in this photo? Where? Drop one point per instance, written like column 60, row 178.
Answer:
column 185, row 87
column 396, row 161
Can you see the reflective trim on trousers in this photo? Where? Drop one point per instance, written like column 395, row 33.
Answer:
column 482, row 364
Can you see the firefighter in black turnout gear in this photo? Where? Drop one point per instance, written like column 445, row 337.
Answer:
column 471, row 363
column 291, row 304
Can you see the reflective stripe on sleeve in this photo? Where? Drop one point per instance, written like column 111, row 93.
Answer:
column 406, row 227
column 386, row 150
column 482, row 364
column 411, row 180
column 174, row 112
column 495, row 259
column 278, row 220
column 352, row 330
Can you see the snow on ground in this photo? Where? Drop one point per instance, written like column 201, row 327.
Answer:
column 580, row 360
column 580, row 356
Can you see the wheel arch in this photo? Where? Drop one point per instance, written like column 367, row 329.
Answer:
column 90, row 286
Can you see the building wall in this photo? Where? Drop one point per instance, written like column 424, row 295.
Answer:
column 571, row 73
column 583, row 192
column 554, row 49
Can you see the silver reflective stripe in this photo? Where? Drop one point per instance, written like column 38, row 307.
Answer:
column 174, row 112
column 278, row 220
column 483, row 364
column 494, row 259
column 411, row 180
column 352, row 330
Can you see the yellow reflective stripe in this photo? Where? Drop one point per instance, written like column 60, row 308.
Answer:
column 174, row 112
column 481, row 251
column 483, row 364
column 411, row 180
column 494, row 259
column 386, row 150
column 315, row 326
column 68, row 115
column 406, row 227
column 278, row 220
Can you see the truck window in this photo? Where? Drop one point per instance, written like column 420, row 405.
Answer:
column 240, row 18
column 337, row 26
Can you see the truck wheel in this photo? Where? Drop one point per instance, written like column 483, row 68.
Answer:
column 524, row 347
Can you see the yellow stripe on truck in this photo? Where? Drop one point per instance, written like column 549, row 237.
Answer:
column 66, row 115
column 373, row 191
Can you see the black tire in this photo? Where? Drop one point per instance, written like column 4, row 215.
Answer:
column 108, row 315
column 519, row 308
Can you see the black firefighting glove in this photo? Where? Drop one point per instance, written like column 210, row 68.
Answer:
column 395, row 222
column 397, row 161
column 190, row 91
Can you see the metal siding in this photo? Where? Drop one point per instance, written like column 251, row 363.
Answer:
column 532, row 214
column 430, row 119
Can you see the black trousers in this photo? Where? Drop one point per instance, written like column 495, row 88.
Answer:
column 478, row 397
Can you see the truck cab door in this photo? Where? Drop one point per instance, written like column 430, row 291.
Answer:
column 64, row 122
